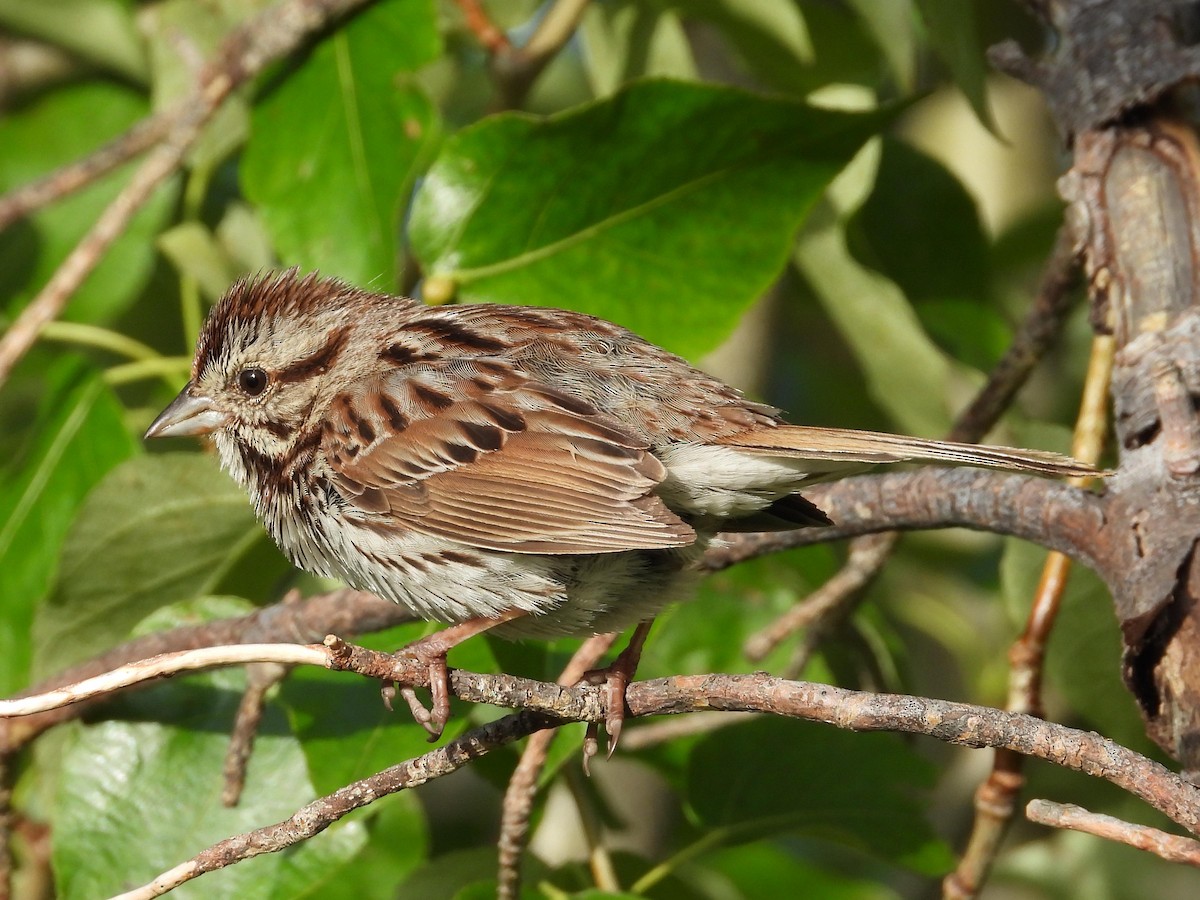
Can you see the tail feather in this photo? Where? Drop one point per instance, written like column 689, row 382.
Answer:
column 843, row 447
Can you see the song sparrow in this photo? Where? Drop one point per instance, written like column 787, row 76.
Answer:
column 536, row 471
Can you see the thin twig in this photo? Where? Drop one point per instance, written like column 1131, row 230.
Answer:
column 996, row 797
column 1171, row 847
column 163, row 666
column 492, row 37
column 515, row 69
column 260, row 678
column 522, row 786
column 957, row 723
column 75, row 175
column 867, row 556
column 304, row 622
column 835, row 600
column 242, row 55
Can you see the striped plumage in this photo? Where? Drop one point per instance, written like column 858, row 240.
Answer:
column 472, row 461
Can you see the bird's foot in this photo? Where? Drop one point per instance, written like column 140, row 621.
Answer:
column 434, row 718
column 431, row 652
column 615, row 678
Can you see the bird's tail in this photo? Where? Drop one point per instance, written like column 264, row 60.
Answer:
column 842, row 448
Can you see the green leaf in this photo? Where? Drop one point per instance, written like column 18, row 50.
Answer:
column 445, row 875
column 955, row 38
column 103, row 31
column 759, row 869
column 941, row 250
column 136, row 798
column 771, row 38
column 774, row 776
column 890, row 24
column 335, row 147
column 78, row 436
column 58, row 128
column 625, row 40
column 157, row 530
column 398, row 843
column 794, row 47
column 709, row 631
column 668, row 208
column 939, row 258
column 906, row 373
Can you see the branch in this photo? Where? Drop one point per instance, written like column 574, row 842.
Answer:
column 75, row 175
column 515, row 69
column 1171, row 847
column 517, row 808
column 163, row 666
column 546, row 705
column 1050, row 513
column 955, row 723
column 244, row 53
column 305, row 622
column 996, row 797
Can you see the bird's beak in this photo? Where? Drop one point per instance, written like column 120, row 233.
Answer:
column 188, row 414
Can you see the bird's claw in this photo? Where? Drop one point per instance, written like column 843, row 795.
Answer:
column 434, row 718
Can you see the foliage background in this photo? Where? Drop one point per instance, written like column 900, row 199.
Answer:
column 860, row 263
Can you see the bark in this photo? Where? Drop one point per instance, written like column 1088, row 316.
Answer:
column 1134, row 195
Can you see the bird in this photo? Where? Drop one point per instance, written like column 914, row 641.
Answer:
column 532, row 472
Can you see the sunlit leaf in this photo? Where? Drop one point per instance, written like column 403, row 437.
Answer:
column 78, row 437
column 156, row 530
column 335, row 146
column 137, row 798
column 669, row 207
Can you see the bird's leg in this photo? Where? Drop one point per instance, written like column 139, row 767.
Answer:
column 616, row 677
column 431, row 651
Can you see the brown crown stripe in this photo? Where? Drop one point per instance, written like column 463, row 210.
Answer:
column 318, row 362
column 452, row 333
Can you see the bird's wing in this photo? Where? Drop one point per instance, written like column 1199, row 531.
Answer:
column 519, row 467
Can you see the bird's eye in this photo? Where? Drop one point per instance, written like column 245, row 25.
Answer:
column 253, row 381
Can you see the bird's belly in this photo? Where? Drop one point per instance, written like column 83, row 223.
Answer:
column 443, row 581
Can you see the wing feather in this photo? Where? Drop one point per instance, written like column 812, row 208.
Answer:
column 523, row 470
